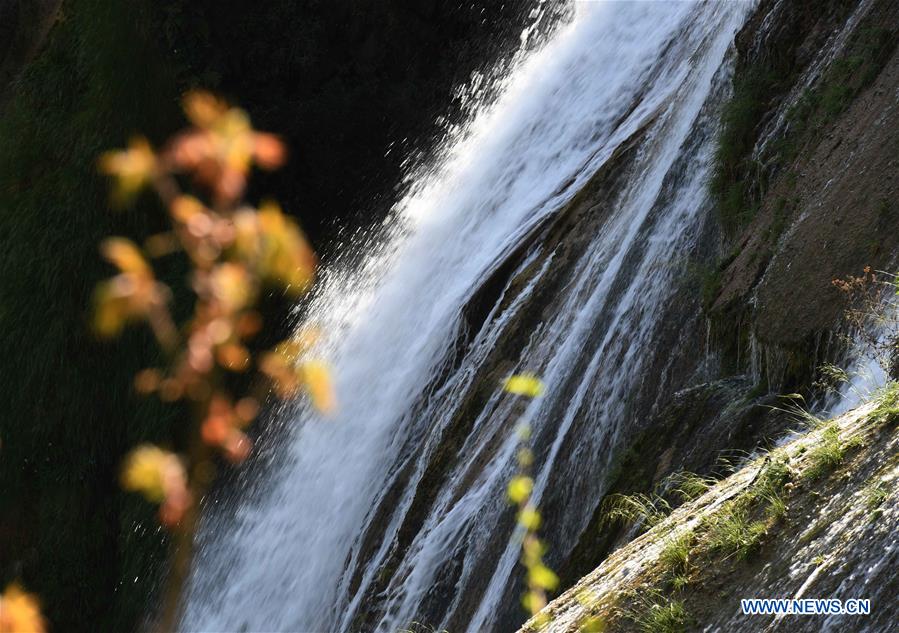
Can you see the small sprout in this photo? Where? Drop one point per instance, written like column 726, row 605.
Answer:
column 524, row 385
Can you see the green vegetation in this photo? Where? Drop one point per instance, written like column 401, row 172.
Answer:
column 874, row 494
column 740, row 526
column 657, row 614
column 689, row 486
column 866, row 56
column 691, row 562
column 733, row 533
column 824, row 457
column 648, row 509
column 887, row 409
column 735, row 172
column 738, row 181
column 674, row 558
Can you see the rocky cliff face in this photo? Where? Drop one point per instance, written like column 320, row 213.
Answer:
column 804, row 189
column 813, row 190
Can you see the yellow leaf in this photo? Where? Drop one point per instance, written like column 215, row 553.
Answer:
column 146, row 470
column 125, row 255
column 132, row 168
column 529, row 518
column 542, row 576
column 232, row 285
column 285, row 256
column 184, row 208
column 317, row 380
column 534, row 601
column 300, row 343
column 532, row 550
column 110, row 310
column 524, row 385
column 520, row 488
column 20, row 612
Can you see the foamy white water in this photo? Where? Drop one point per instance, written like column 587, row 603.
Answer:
column 350, row 531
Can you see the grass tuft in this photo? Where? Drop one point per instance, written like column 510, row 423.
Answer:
column 874, row 495
column 648, row 510
column 733, row 533
column 657, row 614
column 689, row 486
column 826, row 455
column 674, row 560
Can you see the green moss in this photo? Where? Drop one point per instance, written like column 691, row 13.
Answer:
column 732, row 176
column 736, row 179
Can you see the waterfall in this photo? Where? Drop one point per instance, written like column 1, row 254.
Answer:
column 393, row 511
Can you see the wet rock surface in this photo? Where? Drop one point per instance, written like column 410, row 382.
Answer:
column 819, row 204
column 836, row 538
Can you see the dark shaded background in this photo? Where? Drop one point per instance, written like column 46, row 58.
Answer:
column 342, row 80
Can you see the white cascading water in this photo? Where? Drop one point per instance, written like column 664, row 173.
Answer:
column 312, row 547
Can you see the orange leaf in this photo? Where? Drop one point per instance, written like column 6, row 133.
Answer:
column 203, row 108
column 20, row 612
